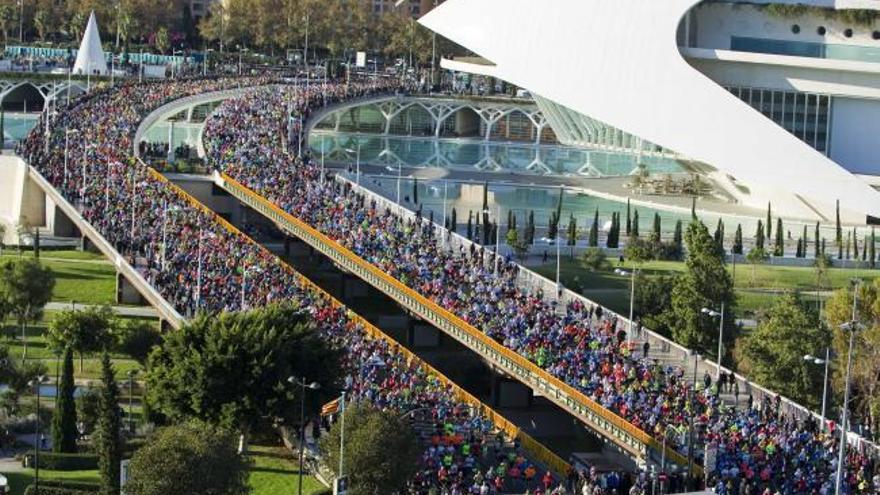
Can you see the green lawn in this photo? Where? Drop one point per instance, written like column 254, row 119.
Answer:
column 756, row 286
column 276, row 471
column 20, row 480
column 88, row 283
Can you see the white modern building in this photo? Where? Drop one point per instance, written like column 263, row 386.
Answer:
column 779, row 102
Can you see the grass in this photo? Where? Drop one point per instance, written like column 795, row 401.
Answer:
column 88, row 283
column 19, row 481
column 756, row 287
column 275, row 471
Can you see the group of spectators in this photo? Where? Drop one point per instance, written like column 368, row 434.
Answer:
column 758, row 449
column 198, row 264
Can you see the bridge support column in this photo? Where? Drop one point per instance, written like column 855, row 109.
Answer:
column 85, row 244
column 126, row 293
column 422, row 335
column 58, row 223
column 509, row 393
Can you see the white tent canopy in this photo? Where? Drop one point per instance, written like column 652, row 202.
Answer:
column 90, row 58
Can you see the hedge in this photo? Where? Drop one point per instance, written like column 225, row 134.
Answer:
column 56, row 490
column 64, row 462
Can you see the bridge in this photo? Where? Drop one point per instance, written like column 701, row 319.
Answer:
column 35, row 184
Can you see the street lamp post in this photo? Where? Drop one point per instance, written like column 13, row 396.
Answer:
column 358, row 168
column 131, row 374
column 67, row 133
column 632, row 296
column 302, row 421
column 720, row 316
column 244, row 275
column 852, row 327
column 39, row 380
column 827, row 363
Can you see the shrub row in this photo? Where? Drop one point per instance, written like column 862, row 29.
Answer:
column 64, row 462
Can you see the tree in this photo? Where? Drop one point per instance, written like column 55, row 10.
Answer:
column 737, row 247
column 381, row 450
column 769, row 224
column 838, row 232
column 855, row 237
column 656, row 231
column 529, row 236
column 453, row 223
column 628, row 219
column 804, row 243
column 816, row 238
column 705, row 283
column 163, row 40
column 470, row 226
column 634, row 233
column 83, row 331
column 612, row 241
column 757, row 256
column 719, row 236
column 678, row 239
column 572, row 231
column 779, row 248
column 27, row 286
column 42, row 20
column 639, row 251
column 872, row 255
column 866, row 348
column 594, row 230
column 774, row 352
column 653, row 295
column 553, row 225
column 519, row 246
column 759, row 236
column 136, row 338
column 594, row 260
column 194, row 458
column 64, row 431
column 232, row 369
column 107, row 441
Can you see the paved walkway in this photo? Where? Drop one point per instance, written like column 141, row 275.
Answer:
column 134, row 311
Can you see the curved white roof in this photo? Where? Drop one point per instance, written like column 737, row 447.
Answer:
column 618, row 61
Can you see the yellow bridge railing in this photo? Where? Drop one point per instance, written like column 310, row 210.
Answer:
column 536, row 450
column 626, row 436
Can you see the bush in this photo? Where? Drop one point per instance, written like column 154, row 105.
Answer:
column 64, row 487
column 57, row 490
column 594, row 259
column 65, row 462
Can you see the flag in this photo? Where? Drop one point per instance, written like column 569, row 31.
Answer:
column 330, row 408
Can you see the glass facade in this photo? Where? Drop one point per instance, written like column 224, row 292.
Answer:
column 805, row 49
column 806, row 115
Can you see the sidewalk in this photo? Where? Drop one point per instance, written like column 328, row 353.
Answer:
column 133, row 311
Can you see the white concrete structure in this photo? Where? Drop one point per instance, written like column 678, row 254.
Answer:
column 90, row 58
column 661, row 74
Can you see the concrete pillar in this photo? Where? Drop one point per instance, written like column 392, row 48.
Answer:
column 509, row 393
column 33, row 203
column 126, row 293
column 420, row 334
column 85, row 244
column 59, row 223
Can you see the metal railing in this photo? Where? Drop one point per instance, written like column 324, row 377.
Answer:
column 623, row 434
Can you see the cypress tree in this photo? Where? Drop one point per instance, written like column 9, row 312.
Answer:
column 415, row 191
column 656, row 234
column 800, row 243
column 839, row 230
column 510, row 221
column 769, row 224
column 871, row 253
column 694, row 208
column 779, row 249
column 613, row 231
column 759, row 236
column 629, row 224
column 514, row 221
column 816, row 239
column 848, row 244
column 635, row 224
column 804, row 246
column 107, row 443
column 530, row 228
column 855, row 237
column 572, row 230
column 738, row 240
column 823, row 246
column 470, row 226
column 719, row 234
column 677, row 237
column 454, row 222
column 594, row 230
column 64, row 431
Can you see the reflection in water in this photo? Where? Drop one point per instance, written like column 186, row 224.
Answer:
column 468, row 154
column 17, row 125
column 183, row 133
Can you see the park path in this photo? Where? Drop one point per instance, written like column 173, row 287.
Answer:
column 133, row 311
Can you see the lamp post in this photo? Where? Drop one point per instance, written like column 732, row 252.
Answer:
column 301, row 382
column 174, row 61
column 358, row 168
column 166, row 212
column 852, row 327
column 36, row 383
column 244, row 275
column 199, row 268
column 827, row 362
column 67, row 133
column 720, row 316
column 632, row 295
column 131, row 374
